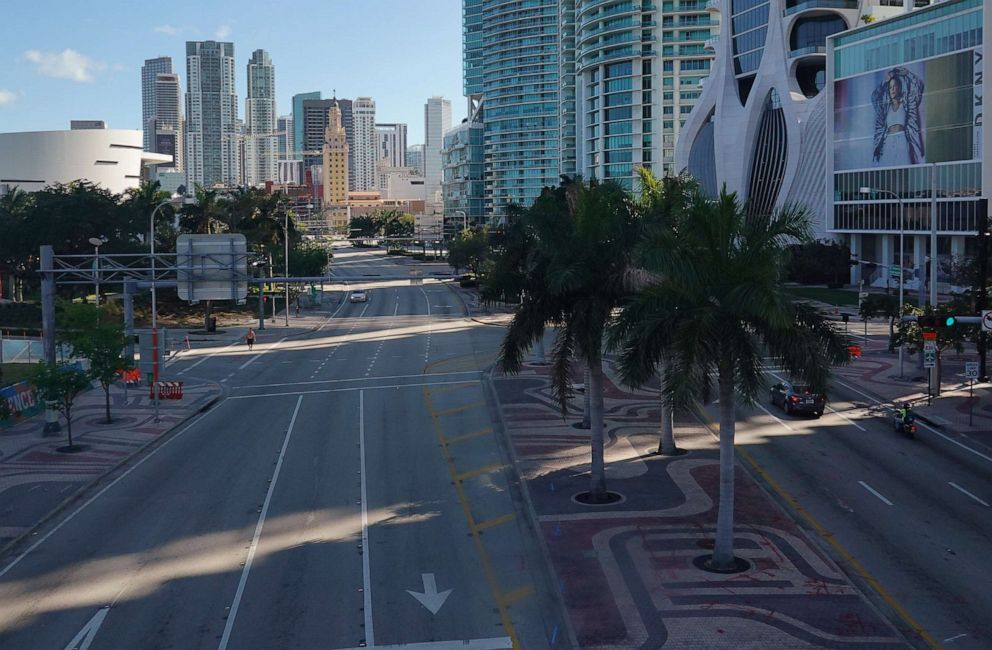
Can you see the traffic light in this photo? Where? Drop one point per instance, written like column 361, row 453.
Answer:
column 932, row 321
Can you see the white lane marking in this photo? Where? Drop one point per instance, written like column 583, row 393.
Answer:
column 99, row 494
column 497, row 643
column 430, row 597
column 964, row 491
column 953, row 638
column 255, row 358
column 919, row 423
column 366, row 549
column 185, row 370
column 427, row 350
column 233, row 613
column 775, row 417
column 397, row 309
column 86, row 635
column 334, row 381
column 875, row 492
column 329, row 318
column 829, row 408
column 354, row 388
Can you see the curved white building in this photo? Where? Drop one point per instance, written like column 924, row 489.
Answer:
column 110, row 158
column 760, row 125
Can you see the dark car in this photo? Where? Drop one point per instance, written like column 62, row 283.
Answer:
column 798, row 399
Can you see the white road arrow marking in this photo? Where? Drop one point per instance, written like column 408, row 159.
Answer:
column 86, row 635
column 430, row 599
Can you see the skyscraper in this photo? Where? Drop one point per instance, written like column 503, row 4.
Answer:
column 334, row 160
column 415, row 158
column 149, row 74
column 211, row 114
column 314, row 116
column 514, row 65
column 437, row 120
column 364, row 152
column 391, row 144
column 284, row 138
column 167, row 124
column 260, row 120
column 298, row 121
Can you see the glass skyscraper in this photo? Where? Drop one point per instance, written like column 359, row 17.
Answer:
column 511, row 59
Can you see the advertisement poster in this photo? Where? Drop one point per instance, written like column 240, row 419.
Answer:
column 911, row 114
column 21, row 402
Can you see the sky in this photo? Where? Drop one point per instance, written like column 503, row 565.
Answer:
column 65, row 59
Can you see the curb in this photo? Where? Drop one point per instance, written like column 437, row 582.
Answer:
column 530, row 511
column 96, row 480
column 465, row 309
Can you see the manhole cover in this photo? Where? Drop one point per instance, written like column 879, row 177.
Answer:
column 608, row 499
column 705, row 562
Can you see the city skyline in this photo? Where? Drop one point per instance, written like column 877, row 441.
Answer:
column 96, row 60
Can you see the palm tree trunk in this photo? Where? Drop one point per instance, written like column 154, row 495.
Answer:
column 106, row 395
column 587, row 406
column 666, row 445
column 723, row 552
column 207, row 310
column 594, row 396
column 68, row 424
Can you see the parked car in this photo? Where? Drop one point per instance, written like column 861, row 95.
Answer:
column 358, row 296
column 798, row 399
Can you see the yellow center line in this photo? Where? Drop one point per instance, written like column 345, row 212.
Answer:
column 495, row 521
column 469, row 436
column 472, row 473
column 487, row 567
column 459, row 409
column 517, row 594
column 830, row 538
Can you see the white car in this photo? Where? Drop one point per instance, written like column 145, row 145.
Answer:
column 358, row 296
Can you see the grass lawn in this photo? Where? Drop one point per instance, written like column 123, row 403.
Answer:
column 15, row 372
column 839, row 297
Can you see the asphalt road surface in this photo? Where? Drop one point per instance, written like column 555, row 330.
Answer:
column 909, row 519
column 348, row 491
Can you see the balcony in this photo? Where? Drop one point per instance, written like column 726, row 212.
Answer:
column 710, row 43
column 713, row 6
column 807, row 51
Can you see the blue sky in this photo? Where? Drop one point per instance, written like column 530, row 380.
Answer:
column 65, row 59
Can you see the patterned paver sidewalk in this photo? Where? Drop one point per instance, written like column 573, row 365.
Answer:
column 626, row 572
column 36, row 479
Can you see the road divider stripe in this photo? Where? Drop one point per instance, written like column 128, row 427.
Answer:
column 471, row 406
column 366, row 549
column 518, row 594
column 378, row 377
column 480, row 547
column 875, row 492
column 469, row 436
column 253, row 548
column 488, row 469
column 495, row 521
column 964, row 491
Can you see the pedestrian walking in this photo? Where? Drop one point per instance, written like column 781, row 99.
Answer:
column 250, row 338
column 297, row 307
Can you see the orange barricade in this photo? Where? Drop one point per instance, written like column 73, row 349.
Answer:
column 854, row 351
column 168, row 390
column 130, row 377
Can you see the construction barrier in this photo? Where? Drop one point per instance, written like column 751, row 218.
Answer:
column 168, row 390
column 130, row 377
column 854, row 351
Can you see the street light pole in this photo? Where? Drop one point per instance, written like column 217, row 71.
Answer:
column 97, row 242
column 285, row 213
column 902, row 256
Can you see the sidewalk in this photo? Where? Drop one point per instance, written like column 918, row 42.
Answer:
column 36, row 480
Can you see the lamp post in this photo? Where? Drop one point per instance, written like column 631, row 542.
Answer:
column 97, row 242
column 285, row 214
column 902, row 232
column 464, row 218
column 180, row 192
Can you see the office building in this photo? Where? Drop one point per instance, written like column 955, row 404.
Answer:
column 415, row 158
column 464, row 183
column 149, row 75
column 922, row 180
column 110, row 158
column 211, row 114
column 167, row 124
column 437, row 120
column 284, row 138
column 392, row 144
column 298, row 122
column 365, row 147
column 260, row 120
column 514, row 65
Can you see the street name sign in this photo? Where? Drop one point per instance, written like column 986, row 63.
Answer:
column 894, row 271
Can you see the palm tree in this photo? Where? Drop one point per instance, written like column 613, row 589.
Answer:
column 717, row 307
column 581, row 237
column 206, row 215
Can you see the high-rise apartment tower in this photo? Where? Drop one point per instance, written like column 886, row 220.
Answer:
column 211, row 114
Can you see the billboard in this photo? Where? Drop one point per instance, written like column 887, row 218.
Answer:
column 912, row 114
column 212, row 267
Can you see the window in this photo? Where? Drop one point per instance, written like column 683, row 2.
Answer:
column 619, row 113
column 645, row 97
column 646, row 111
column 645, row 68
column 622, row 69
